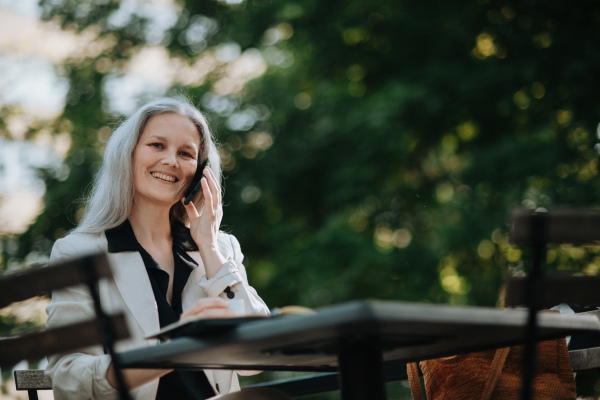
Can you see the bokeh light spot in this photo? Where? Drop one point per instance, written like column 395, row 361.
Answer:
column 521, row 100
column 538, row 90
column 563, row 117
column 384, row 239
column 484, row 46
column 486, row 249
column 467, row 131
column 402, row 238
column 302, row 101
column 444, row 192
column 250, row 194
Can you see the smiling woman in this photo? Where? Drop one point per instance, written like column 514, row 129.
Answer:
column 170, row 260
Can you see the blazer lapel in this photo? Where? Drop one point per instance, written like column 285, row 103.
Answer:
column 132, row 281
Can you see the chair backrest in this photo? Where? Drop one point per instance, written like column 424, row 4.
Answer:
column 35, row 281
column 537, row 229
column 103, row 329
column 556, row 226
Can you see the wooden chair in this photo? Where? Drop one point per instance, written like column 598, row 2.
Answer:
column 103, row 329
column 537, row 229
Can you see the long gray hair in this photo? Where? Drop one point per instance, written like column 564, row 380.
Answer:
column 111, row 199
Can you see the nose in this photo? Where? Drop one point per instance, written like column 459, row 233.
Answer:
column 170, row 159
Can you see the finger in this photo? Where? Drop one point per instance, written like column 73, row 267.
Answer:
column 190, row 209
column 212, row 183
column 211, row 313
column 219, row 313
column 208, row 172
column 211, row 302
column 208, row 196
column 205, row 304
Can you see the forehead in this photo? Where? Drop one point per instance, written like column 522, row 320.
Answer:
column 173, row 127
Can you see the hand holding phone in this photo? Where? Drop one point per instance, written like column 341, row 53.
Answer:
column 196, row 183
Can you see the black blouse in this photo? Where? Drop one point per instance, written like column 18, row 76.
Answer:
column 177, row 384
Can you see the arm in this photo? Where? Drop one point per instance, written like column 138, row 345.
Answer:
column 221, row 253
column 84, row 373
column 233, row 275
column 135, row 377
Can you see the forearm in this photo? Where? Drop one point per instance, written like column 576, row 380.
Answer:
column 134, row 377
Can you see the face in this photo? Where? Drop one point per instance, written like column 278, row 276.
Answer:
column 165, row 159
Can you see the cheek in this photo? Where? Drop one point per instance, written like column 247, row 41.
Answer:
column 143, row 158
column 189, row 171
column 139, row 164
column 138, row 176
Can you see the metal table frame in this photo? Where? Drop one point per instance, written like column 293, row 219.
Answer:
column 356, row 339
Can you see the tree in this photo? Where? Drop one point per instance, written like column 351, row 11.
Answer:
column 380, row 152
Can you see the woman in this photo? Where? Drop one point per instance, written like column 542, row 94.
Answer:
column 170, row 260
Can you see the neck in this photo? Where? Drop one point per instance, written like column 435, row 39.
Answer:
column 150, row 223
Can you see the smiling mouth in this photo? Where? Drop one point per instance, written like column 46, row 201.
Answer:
column 163, row 177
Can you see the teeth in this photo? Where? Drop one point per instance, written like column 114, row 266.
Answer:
column 163, row 177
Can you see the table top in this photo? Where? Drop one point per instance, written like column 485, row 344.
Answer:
column 403, row 331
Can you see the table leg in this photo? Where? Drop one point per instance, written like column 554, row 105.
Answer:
column 361, row 373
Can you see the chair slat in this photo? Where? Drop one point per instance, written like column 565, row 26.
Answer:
column 585, row 359
column 556, row 289
column 56, row 340
column 566, row 225
column 39, row 280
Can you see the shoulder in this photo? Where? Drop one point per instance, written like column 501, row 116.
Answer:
column 77, row 244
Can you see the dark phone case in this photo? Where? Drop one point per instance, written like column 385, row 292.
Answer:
column 195, row 186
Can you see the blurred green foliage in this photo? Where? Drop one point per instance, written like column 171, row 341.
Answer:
column 379, row 154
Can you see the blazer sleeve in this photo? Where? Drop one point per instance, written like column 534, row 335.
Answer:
column 80, row 374
column 233, row 275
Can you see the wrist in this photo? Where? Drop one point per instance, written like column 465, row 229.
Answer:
column 212, row 258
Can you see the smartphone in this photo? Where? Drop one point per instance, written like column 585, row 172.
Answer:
column 196, row 183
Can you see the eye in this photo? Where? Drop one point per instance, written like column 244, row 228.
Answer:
column 157, row 145
column 185, row 154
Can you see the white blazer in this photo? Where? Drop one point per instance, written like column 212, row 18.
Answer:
column 82, row 374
